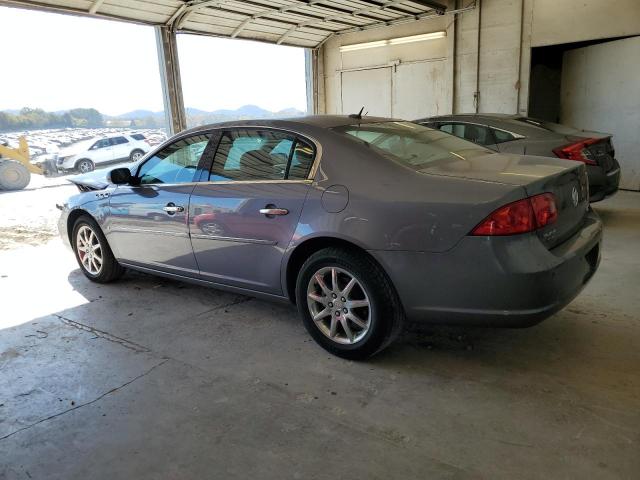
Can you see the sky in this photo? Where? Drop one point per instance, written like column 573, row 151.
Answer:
column 60, row 62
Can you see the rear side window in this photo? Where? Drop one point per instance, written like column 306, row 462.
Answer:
column 469, row 131
column 245, row 155
column 301, row 161
column 119, row 140
column 137, row 136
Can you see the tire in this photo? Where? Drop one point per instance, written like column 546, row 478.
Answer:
column 108, row 269
column 84, row 165
column 136, row 155
column 378, row 324
column 13, row 175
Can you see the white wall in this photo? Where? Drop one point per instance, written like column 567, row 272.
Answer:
column 335, row 62
column 567, row 21
column 601, row 91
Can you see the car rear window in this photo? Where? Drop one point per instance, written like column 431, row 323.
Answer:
column 137, row 136
column 412, row 145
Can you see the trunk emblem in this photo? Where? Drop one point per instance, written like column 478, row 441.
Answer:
column 575, row 196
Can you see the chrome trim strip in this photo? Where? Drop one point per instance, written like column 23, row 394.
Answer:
column 517, row 136
column 145, row 230
column 233, row 239
column 613, row 172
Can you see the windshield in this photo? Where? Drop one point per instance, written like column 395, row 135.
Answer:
column 413, row 145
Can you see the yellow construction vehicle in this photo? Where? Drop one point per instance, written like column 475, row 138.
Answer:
column 16, row 167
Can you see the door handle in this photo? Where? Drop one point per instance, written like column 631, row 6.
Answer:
column 172, row 208
column 270, row 212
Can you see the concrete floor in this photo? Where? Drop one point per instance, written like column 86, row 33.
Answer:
column 150, row 378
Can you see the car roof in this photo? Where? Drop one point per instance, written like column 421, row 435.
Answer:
column 317, row 121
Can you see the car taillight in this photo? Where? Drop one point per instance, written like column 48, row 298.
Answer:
column 578, row 151
column 523, row 216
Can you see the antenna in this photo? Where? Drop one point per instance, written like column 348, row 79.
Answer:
column 357, row 115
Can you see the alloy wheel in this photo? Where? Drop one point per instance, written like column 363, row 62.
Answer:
column 89, row 250
column 339, row 305
column 136, row 156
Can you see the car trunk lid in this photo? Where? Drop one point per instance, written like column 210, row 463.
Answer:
column 565, row 179
column 571, row 191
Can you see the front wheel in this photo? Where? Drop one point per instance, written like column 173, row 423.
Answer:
column 347, row 303
column 93, row 253
column 85, row 165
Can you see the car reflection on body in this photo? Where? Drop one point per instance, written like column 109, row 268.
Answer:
column 363, row 223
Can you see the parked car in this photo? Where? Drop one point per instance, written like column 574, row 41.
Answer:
column 362, row 222
column 115, row 148
column 524, row 135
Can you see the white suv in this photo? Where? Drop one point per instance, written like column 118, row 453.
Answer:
column 104, row 150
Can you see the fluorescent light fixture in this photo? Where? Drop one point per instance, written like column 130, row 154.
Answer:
column 393, row 41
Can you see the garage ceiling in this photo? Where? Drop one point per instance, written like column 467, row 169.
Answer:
column 302, row 23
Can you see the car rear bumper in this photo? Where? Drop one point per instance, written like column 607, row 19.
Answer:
column 602, row 184
column 494, row 281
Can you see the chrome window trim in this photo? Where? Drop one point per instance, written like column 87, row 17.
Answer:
column 181, row 136
column 145, row 230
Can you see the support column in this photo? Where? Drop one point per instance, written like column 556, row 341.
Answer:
column 167, row 48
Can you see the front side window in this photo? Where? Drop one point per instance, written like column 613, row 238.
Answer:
column 101, row 144
column 176, row 163
column 245, row 155
column 412, row 145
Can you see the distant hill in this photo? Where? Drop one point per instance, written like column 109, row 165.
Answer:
column 136, row 118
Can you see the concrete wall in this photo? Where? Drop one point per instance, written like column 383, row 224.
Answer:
column 600, row 91
column 334, row 61
column 488, row 72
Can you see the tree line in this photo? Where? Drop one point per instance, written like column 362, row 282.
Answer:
column 35, row 118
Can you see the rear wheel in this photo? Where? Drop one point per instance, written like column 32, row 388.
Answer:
column 13, row 175
column 136, row 155
column 85, row 165
column 93, row 253
column 347, row 303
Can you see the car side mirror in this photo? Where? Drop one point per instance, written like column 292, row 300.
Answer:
column 120, row 176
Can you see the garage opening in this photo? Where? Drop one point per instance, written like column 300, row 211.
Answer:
column 591, row 86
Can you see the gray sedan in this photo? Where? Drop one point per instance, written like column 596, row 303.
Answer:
column 524, row 135
column 361, row 222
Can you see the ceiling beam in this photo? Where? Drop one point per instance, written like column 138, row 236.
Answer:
column 378, row 22
column 339, row 18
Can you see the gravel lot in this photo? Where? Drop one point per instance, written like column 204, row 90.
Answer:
column 29, row 217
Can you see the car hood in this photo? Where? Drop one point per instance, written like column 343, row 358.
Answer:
column 519, row 170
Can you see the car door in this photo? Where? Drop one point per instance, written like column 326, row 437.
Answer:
column 148, row 220
column 101, row 151
column 243, row 216
column 121, row 148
